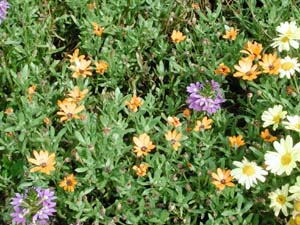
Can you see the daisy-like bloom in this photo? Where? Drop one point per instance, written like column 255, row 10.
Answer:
column 266, row 136
column 81, row 68
column 174, row 138
column 253, row 50
column 174, row 121
column 101, row 67
column 273, row 116
column 293, row 123
column 231, row 34
column 31, row 91
column 288, row 67
column 186, row 113
column 47, row 121
column 280, row 201
column 35, row 206
column 143, row 145
column 222, row 70
column 285, row 157
column 222, row 178
column 75, row 56
column 177, row 37
column 9, row 111
column 270, row 64
column 3, row 10
column 98, row 30
column 43, row 161
column 68, row 183
column 68, row 110
column 92, row 5
column 289, row 33
column 141, row 170
column 295, row 190
column 236, row 141
column 247, row 173
column 195, row 6
column 246, row 70
column 76, row 95
column 205, row 96
column 203, row 124
column 134, row 103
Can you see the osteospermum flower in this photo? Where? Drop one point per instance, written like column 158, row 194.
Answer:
column 76, row 95
column 75, row 56
column 97, row 29
column 173, row 137
column 141, row 170
column 68, row 110
column 222, row 70
column 285, row 157
column 236, row 141
column 81, row 68
column 247, row 173
column 266, row 136
column 222, row 178
column 289, row 33
column 293, row 123
column 288, row 67
column 246, row 70
column 143, row 145
column 3, row 10
column 205, row 97
column 273, row 116
column 101, row 67
column 203, row 124
column 68, row 183
column 134, row 103
column 231, row 33
column 43, row 161
column 35, row 206
column 280, row 201
column 177, row 37
column 174, row 121
column 270, row 64
column 253, row 50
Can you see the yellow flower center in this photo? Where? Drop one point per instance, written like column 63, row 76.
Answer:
column 287, row 66
column 286, row 159
column 248, row 170
column 297, row 206
column 285, row 39
column 281, row 199
column 276, row 119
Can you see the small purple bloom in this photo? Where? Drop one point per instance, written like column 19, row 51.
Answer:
column 34, row 206
column 3, row 9
column 205, row 96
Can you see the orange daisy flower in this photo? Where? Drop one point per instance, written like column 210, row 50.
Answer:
column 81, row 68
column 187, row 113
column 236, row 141
column 68, row 110
column 222, row 178
column 143, row 145
column 270, row 64
column 75, row 56
column 141, row 170
column 92, row 6
column 231, row 34
column 45, row 162
column 222, row 70
column 134, row 103
column 77, row 95
column 47, row 121
column 9, row 111
column 204, row 124
column 174, row 121
column 246, row 70
column 174, row 138
column 195, row 6
column 177, row 37
column 98, row 30
column 68, row 183
column 101, row 67
column 266, row 136
column 253, row 50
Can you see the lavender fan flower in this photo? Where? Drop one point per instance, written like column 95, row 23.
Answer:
column 3, row 9
column 205, row 96
column 35, row 206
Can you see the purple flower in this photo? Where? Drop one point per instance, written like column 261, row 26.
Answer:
column 3, row 9
column 34, row 206
column 205, row 96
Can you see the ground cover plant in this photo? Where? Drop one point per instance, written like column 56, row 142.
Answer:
column 149, row 112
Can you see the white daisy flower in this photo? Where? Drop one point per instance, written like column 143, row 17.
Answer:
column 288, row 34
column 295, row 190
column 285, row 157
column 288, row 67
column 273, row 116
column 293, row 123
column 280, row 201
column 247, row 173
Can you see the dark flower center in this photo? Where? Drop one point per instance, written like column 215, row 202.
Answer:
column 69, row 115
column 69, row 182
column 223, row 181
column 144, row 148
column 43, row 164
